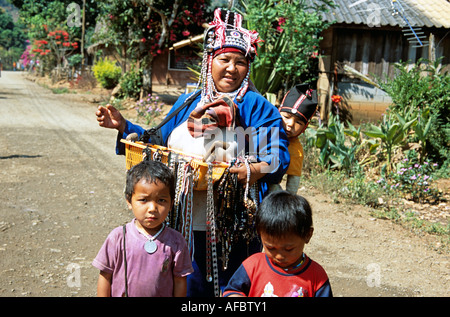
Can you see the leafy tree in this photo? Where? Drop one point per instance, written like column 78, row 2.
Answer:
column 12, row 40
column 54, row 14
column 291, row 33
column 35, row 13
column 142, row 29
column 56, row 46
column 39, row 16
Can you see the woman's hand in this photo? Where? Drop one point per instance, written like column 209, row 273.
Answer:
column 110, row 117
column 255, row 172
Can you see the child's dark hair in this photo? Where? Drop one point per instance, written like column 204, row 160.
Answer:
column 282, row 213
column 150, row 171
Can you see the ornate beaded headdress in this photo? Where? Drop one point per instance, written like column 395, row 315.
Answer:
column 226, row 34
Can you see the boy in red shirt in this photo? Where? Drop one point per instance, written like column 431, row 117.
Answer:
column 284, row 222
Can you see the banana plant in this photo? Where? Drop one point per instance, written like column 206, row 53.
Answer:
column 392, row 132
column 336, row 150
column 421, row 129
column 343, row 157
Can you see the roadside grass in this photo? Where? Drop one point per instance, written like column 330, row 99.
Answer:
column 341, row 189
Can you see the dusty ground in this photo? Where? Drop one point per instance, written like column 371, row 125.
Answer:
column 61, row 193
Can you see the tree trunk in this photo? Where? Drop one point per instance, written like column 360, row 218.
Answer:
column 146, row 80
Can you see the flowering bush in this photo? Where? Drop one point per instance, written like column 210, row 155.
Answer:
column 53, row 48
column 61, row 37
column 56, row 39
column 27, row 56
column 413, row 180
column 149, row 108
column 150, row 27
column 336, row 98
column 40, row 47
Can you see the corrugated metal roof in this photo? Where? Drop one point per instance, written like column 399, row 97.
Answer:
column 418, row 13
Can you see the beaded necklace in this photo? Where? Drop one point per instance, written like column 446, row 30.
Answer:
column 297, row 265
column 236, row 208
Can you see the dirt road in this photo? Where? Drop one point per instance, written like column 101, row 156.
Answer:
column 61, row 193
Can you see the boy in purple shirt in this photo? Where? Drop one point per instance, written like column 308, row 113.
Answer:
column 145, row 257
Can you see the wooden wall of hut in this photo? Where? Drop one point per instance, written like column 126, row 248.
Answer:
column 374, row 52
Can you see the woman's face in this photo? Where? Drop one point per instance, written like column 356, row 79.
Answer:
column 228, row 71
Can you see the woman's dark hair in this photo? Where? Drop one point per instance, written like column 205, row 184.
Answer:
column 282, row 213
column 150, row 171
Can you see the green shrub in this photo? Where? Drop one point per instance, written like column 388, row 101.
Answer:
column 107, row 73
column 358, row 189
column 131, row 83
column 423, row 91
column 75, row 60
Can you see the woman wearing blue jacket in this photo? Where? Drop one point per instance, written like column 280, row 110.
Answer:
column 229, row 50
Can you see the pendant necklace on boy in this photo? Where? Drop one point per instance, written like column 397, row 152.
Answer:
column 150, row 246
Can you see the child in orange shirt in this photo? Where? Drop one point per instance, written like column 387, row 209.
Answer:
column 297, row 108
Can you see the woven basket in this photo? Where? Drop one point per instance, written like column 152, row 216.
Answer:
column 134, row 155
